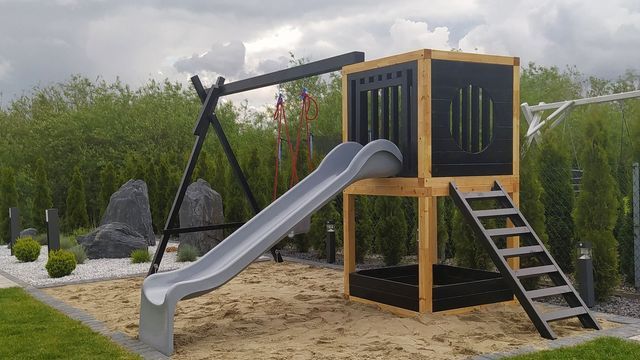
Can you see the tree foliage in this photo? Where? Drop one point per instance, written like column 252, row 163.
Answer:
column 76, row 215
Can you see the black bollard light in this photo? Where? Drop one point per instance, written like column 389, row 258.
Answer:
column 15, row 227
column 331, row 242
column 53, row 229
column 584, row 274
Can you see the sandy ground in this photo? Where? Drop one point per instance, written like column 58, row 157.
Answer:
column 293, row 311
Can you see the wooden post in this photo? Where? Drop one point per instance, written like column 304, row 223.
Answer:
column 349, row 247
column 427, row 250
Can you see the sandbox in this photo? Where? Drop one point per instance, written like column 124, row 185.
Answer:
column 295, row 311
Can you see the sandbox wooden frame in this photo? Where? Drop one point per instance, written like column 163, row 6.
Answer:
column 424, row 186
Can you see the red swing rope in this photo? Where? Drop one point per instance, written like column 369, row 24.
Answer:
column 280, row 116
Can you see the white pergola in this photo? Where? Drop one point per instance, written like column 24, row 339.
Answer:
column 533, row 114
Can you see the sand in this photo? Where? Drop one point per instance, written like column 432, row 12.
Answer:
column 294, row 311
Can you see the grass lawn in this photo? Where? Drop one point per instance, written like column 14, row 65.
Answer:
column 601, row 348
column 30, row 329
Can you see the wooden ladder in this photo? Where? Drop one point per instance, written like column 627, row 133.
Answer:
column 562, row 286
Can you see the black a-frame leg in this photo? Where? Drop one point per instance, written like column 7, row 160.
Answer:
column 207, row 116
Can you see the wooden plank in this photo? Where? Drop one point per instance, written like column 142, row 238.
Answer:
column 440, row 185
column 495, row 212
column 536, row 270
column 384, row 307
column 520, row 230
column 520, row 251
column 349, row 247
column 345, row 107
column 483, row 195
column 563, row 314
column 556, row 290
column 427, row 251
column 516, row 120
column 429, row 186
column 476, row 58
column 389, row 187
column 422, row 118
column 385, row 61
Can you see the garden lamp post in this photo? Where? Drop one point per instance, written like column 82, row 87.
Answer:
column 331, row 242
column 584, row 273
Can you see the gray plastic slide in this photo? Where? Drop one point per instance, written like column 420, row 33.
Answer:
column 345, row 164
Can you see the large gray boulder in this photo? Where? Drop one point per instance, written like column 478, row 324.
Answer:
column 29, row 232
column 114, row 240
column 201, row 206
column 130, row 205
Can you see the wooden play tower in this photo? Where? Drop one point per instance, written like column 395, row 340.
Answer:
column 455, row 117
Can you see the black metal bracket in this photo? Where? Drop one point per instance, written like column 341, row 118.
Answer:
column 209, row 98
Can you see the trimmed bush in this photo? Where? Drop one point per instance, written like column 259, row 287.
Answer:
column 80, row 253
column 41, row 239
column 61, row 263
column 140, row 256
column 26, row 249
column 187, row 253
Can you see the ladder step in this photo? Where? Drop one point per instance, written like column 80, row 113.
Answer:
column 556, row 290
column 536, row 270
column 511, row 231
column 563, row 314
column 495, row 212
column 520, row 251
column 483, row 195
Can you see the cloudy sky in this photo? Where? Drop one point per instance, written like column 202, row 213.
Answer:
column 47, row 41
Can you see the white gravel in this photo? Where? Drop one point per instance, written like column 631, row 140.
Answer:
column 34, row 273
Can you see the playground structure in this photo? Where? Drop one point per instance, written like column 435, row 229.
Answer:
column 445, row 124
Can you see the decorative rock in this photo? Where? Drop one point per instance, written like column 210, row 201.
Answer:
column 201, row 206
column 29, row 232
column 114, row 240
column 130, row 205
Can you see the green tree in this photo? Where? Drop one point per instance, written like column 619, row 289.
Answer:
column 596, row 210
column 365, row 227
column 76, row 214
column 557, row 198
column 391, row 228
column 8, row 199
column 468, row 249
column 624, row 234
column 531, row 195
column 108, row 185
column 42, row 199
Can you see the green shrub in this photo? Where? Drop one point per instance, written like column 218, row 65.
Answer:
column 26, row 249
column 187, row 253
column 80, row 253
column 67, row 242
column 140, row 256
column 61, row 263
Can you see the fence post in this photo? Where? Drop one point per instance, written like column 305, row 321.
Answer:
column 14, row 224
column 53, row 229
column 636, row 222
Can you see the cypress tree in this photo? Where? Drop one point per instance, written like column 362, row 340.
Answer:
column 624, row 234
column 557, row 198
column 468, row 250
column 391, row 228
column 76, row 213
column 108, row 185
column 531, row 195
column 202, row 170
column 365, row 228
column 596, row 210
column 151, row 178
column 8, row 199
column 163, row 199
column 443, row 233
column 42, row 198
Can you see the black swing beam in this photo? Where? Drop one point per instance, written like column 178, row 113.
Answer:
column 209, row 98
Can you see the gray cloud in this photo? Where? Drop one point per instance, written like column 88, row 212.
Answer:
column 225, row 59
column 45, row 41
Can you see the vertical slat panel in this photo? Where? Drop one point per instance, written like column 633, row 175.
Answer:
column 475, row 119
column 395, row 114
column 486, row 119
column 362, row 127
column 465, row 119
column 375, row 115
column 385, row 113
column 456, row 120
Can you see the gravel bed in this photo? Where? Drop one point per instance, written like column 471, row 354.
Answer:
column 34, row 273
